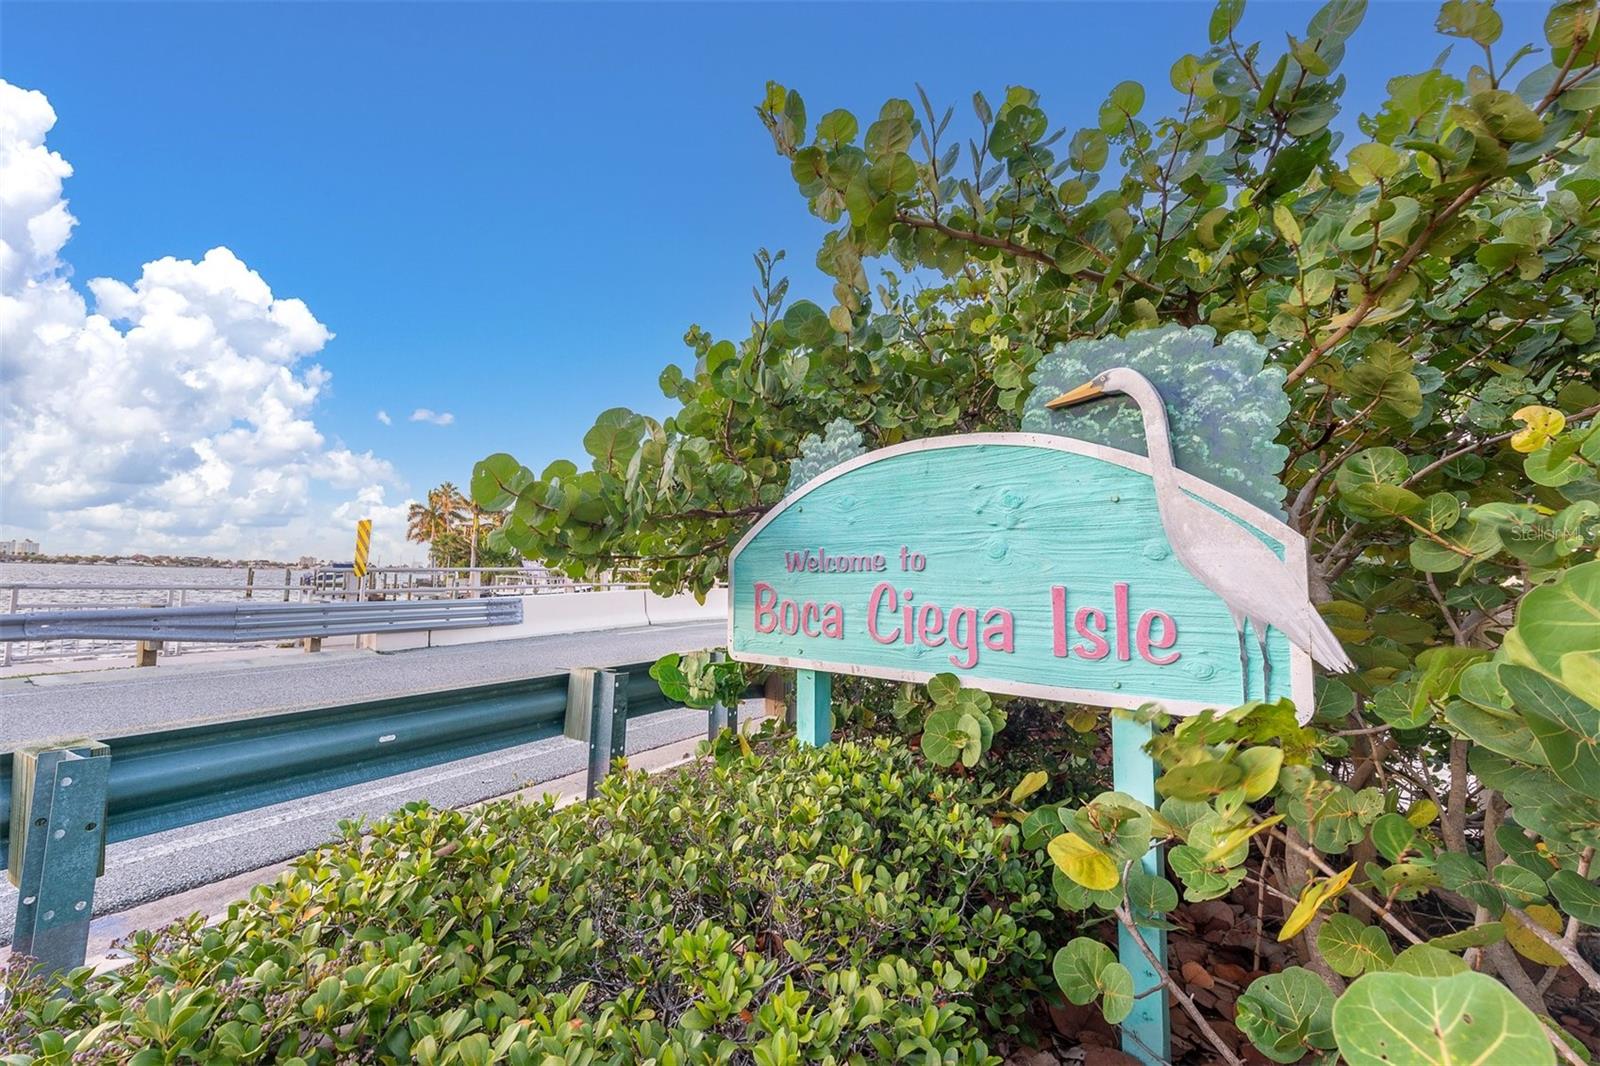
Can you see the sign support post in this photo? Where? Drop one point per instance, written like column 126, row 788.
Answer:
column 813, row 700
column 1146, row 1033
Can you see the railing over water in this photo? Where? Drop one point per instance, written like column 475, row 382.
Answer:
column 324, row 585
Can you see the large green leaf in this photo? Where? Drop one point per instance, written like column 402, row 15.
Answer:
column 1466, row 875
column 1148, row 893
column 1202, row 880
column 1077, row 968
column 1567, row 728
column 1561, row 617
column 1086, row 970
column 1352, row 948
column 496, row 481
column 1504, row 731
column 1287, row 1015
column 1384, row 1019
column 1425, row 960
column 951, row 734
column 1116, row 823
column 1579, row 897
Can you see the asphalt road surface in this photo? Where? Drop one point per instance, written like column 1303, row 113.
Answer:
column 112, row 703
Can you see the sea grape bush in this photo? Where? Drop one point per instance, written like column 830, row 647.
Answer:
column 774, row 905
column 1426, row 286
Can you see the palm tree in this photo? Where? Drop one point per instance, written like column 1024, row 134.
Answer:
column 425, row 525
column 434, row 520
column 449, row 501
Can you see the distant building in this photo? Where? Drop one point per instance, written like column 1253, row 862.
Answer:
column 19, row 547
column 309, row 562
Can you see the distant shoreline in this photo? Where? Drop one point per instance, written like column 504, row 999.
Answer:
column 153, row 560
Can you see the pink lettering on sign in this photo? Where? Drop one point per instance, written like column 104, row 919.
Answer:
column 1091, row 625
column 964, row 636
column 766, row 600
column 774, row 614
column 1119, row 592
column 883, row 598
column 1169, row 637
column 894, row 617
column 999, row 630
column 1098, row 632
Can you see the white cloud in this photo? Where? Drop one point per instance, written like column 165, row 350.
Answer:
column 438, row 418
column 389, row 544
column 383, row 416
column 174, row 416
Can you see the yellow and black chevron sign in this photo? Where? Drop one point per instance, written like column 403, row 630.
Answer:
column 363, row 542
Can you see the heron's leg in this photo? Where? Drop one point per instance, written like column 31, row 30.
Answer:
column 1266, row 663
column 1244, row 658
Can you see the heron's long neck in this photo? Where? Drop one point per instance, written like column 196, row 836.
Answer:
column 1157, row 439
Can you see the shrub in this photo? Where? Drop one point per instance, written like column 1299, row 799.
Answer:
column 774, row 905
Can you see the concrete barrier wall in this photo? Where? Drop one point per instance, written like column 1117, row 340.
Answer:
column 665, row 610
column 577, row 612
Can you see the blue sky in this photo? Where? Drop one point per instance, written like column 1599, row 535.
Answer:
column 512, row 212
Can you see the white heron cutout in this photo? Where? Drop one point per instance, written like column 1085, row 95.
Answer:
column 1225, row 557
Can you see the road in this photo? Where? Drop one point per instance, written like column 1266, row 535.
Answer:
column 114, row 703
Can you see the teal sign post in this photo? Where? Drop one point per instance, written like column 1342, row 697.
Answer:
column 1041, row 566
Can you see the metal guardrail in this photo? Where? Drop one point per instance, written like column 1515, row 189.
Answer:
column 233, row 623
column 151, row 782
column 177, row 777
column 312, row 586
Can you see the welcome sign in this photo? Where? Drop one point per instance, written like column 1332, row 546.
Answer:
column 1030, row 564
column 1055, row 566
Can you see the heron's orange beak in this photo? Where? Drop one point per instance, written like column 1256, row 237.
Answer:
column 1086, row 391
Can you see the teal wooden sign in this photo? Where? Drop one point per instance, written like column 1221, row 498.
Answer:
column 1028, row 564
column 1056, row 567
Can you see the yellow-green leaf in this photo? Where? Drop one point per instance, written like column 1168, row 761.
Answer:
column 1526, row 941
column 1238, row 836
column 1029, row 784
column 1261, row 766
column 1084, row 863
column 1422, row 813
column 1315, row 895
column 1543, row 424
column 1284, row 219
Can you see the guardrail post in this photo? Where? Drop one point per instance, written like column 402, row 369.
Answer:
column 11, row 610
column 608, row 725
column 719, row 716
column 145, row 652
column 58, row 813
column 597, row 713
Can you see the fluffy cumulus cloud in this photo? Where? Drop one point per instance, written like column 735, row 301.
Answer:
column 436, row 418
column 170, row 414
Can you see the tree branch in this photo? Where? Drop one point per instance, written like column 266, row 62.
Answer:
column 1126, row 918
